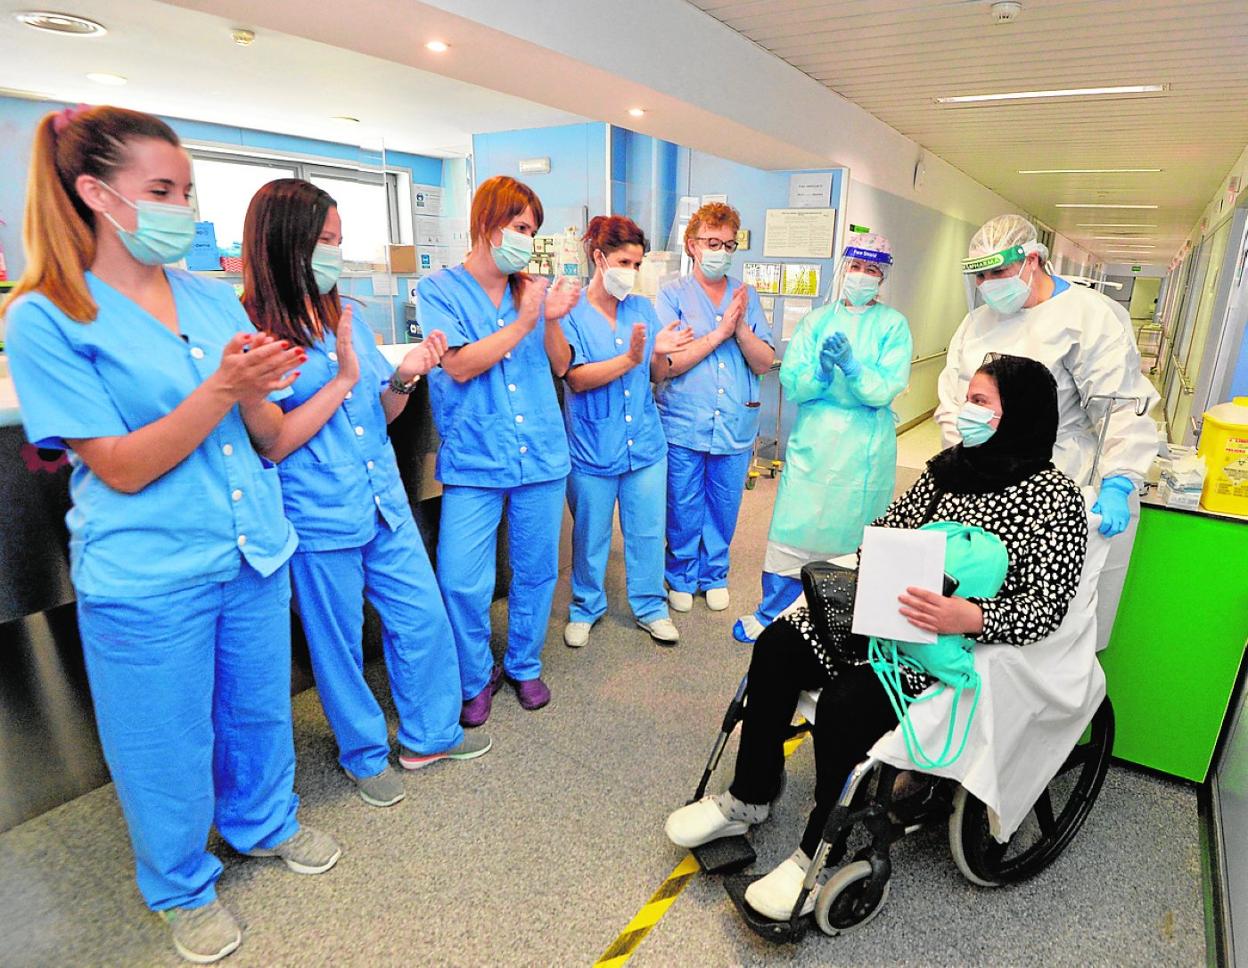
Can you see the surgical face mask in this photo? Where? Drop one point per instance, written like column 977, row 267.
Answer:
column 1006, row 296
column 715, row 263
column 860, row 288
column 514, row 253
column 973, row 424
column 618, row 281
column 163, row 234
column 326, row 266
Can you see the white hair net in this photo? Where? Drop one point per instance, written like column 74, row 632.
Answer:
column 1004, row 232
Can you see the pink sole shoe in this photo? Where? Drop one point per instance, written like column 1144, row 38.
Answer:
column 532, row 693
column 477, row 709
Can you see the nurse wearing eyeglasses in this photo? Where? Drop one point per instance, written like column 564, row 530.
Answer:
column 708, row 402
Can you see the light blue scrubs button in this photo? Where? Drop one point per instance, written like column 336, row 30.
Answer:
column 628, row 418
column 628, row 393
column 369, row 465
column 236, row 495
column 377, row 500
column 507, row 355
column 242, row 540
column 721, row 390
column 511, row 387
column 333, row 357
column 519, row 418
column 359, row 431
column 719, row 319
column 228, row 450
column 524, row 449
column 618, row 341
column 501, row 324
column 722, row 364
column 630, row 443
column 197, row 353
column 348, row 396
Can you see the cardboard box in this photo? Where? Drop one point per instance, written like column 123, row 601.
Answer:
column 402, row 260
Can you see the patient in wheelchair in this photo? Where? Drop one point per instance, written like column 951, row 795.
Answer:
column 1001, row 479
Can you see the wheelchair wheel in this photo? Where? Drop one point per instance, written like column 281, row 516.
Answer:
column 844, row 902
column 1058, row 814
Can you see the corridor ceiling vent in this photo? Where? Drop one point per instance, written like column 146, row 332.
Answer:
column 60, row 23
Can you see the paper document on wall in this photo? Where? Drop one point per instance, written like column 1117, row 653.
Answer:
column 799, row 233
column 810, row 189
column 432, row 231
column 894, row 559
column 795, row 311
column 427, row 199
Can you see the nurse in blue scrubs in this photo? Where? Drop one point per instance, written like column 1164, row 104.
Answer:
column 503, row 442
column 709, row 407
column 619, row 453
column 343, row 493
column 157, row 383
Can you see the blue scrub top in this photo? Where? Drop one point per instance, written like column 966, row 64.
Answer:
column 336, row 484
column 121, row 372
column 502, row 428
column 708, row 407
column 614, row 428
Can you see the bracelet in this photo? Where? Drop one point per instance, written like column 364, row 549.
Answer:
column 401, row 388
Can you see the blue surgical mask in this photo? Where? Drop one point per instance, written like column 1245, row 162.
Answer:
column 514, row 253
column 1005, row 296
column 715, row 263
column 326, row 266
column 860, row 288
column 163, row 234
column 973, row 424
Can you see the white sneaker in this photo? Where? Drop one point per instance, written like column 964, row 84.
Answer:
column 774, row 894
column 576, row 634
column 699, row 823
column 661, row 630
column 680, row 601
column 717, row 599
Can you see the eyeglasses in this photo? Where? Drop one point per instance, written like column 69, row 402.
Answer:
column 716, row 244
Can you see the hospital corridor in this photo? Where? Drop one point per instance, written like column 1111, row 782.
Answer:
column 697, row 483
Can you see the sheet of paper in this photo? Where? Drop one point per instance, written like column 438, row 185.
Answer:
column 799, row 233
column 795, row 311
column 707, row 199
column 763, row 276
column 431, row 230
column 800, row 279
column 427, row 199
column 384, row 284
column 894, row 559
column 810, row 189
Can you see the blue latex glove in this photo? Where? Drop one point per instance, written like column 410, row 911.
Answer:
column 836, row 351
column 1111, row 505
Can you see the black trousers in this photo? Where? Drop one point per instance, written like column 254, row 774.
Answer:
column 853, row 712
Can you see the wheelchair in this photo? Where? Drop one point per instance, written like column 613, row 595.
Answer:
column 856, row 891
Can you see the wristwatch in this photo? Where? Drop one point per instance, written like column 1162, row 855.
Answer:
column 401, row 388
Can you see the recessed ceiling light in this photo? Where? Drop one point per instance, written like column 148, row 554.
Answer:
column 637, row 112
column 345, row 119
column 1086, row 171
column 60, row 23
column 108, row 80
column 438, row 46
column 1117, row 225
column 1072, row 92
column 1098, row 205
column 1113, row 238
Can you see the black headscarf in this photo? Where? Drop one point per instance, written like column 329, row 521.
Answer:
column 1023, row 443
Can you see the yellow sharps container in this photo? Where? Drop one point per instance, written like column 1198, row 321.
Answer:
column 1224, row 445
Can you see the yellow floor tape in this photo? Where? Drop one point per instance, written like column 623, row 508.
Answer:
column 623, row 947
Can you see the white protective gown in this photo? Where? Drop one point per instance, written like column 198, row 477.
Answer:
column 1086, row 341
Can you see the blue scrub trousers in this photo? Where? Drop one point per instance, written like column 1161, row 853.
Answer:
column 467, row 545
column 703, row 498
column 592, row 500
column 192, row 702
column 779, row 592
column 393, row 572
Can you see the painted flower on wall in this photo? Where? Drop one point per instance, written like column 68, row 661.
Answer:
column 43, row 461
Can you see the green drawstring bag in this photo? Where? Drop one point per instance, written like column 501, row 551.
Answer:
column 977, row 560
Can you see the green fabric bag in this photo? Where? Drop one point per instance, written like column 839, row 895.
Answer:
column 978, row 561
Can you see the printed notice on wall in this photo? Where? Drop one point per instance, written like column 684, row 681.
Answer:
column 799, row 233
column 427, row 199
column 800, row 279
column 810, row 189
column 763, row 276
column 795, row 310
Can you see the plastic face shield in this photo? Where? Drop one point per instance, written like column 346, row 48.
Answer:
column 854, row 253
column 996, row 260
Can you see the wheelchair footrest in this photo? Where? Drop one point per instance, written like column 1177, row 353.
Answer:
column 777, row 932
column 727, row 855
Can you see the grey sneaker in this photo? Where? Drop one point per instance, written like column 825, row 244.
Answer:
column 474, row 744
column 307, row 852
column 204, row 934
column 383, row 790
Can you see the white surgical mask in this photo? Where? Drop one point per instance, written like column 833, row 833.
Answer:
column 619, row 282
column 1006, row 296
column 860, row 288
